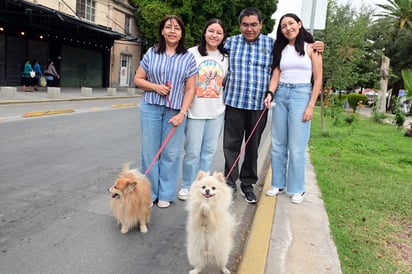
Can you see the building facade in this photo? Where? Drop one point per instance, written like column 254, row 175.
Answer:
column 93, row 43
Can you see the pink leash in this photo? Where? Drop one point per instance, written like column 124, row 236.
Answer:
column 163, row 145
column 245, row 144
column 160, row 149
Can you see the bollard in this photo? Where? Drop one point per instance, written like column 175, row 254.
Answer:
column 53, row 92
column 131, row 91
column 86, row 91
column 111, row 91
column 8, row 92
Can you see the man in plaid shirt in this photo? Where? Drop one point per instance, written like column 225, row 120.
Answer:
column 250, row 58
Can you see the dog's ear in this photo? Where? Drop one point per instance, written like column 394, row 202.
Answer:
column 130, row 176
column 220, row 177
column 201, row 174
column 130, row 186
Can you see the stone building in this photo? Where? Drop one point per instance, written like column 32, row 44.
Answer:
column 93, row 43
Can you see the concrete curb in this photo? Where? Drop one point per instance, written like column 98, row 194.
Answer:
column 257, row 246
column 10, row 102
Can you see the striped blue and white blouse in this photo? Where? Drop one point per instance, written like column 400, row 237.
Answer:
column 160, row 68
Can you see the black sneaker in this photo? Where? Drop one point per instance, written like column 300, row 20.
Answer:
column 250, row 197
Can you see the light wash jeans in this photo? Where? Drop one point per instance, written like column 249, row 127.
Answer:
column 290, row 136
column 155, row 128
column 201, row 140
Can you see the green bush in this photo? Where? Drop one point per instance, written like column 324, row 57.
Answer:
column 400, row 116
column 378, row 116
column 351, row 119
column 354, row 99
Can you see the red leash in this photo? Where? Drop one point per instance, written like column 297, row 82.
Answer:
column 160, row 150
column 164, row 143
column 245, row 144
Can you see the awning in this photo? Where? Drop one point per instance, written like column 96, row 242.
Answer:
column 38, row 19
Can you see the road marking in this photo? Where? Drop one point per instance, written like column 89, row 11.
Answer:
column 47, row 112
column 125, row 105
column 64, row 111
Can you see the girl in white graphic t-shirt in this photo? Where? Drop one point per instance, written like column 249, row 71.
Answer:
column 206, row 113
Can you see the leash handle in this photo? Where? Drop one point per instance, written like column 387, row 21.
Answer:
column 245, row 144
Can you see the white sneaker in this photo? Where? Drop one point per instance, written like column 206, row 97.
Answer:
column 183, row 194
column 298, row 198
column 273, row 191
column 163, row 204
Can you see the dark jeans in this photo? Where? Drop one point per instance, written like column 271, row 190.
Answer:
column 239, row 123
column 52, row 81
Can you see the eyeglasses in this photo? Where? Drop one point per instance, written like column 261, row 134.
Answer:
column 170, row 28
column 251, row 25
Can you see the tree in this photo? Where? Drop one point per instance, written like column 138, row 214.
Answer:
column 407, row 79
column 400, row 11
column 195, row 14
column 396, row 39
column 347, row 49
column 344, row 66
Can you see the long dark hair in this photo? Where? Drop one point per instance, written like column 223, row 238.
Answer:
column 202, row 45
column 161, row 46
column 281, row 41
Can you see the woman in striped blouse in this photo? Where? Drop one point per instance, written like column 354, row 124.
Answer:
column 167, row 74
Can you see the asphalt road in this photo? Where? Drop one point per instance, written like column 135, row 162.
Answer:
column 54, row 205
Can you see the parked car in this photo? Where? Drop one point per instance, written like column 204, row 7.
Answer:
column 405, row 104
column 372, row 98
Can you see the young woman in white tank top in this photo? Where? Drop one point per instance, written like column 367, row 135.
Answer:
column 295, row 61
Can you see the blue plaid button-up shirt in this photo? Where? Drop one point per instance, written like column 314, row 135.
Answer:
column 249, row 71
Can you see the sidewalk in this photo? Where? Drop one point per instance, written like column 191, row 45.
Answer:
column 288, row 238
column 66, row 94
column 283, row 238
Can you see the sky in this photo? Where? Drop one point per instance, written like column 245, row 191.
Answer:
column 295, row 6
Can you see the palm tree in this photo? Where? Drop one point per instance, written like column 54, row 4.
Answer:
column 399, row 10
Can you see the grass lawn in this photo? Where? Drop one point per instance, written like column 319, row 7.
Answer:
column 365, row 174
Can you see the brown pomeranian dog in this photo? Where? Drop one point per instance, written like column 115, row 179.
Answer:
column 210, row 224
column 131, row 199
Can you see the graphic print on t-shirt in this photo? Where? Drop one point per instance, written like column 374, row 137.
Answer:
column 209, row 83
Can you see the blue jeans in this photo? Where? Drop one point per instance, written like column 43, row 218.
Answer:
column 155, row 127
column 201, row 139
column 290, row 136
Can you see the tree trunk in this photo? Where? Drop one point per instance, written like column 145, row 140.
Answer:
column 384, row 73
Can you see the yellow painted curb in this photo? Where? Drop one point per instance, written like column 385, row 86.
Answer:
column 124, row 105
column 255, row 253
column 47, row 112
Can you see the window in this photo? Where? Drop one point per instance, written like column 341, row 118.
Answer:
column 85, row 9
column 127, row 24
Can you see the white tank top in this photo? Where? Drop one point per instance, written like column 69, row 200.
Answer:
column 294, row 68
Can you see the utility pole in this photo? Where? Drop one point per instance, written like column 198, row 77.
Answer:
column 384, row 75
column 312, row 17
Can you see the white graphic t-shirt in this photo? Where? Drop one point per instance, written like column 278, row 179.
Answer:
column 212, row 70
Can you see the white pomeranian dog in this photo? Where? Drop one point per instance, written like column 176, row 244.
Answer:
column 210, row 224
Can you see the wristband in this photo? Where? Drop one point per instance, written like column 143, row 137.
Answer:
column 184, row 113
column 271, row 94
